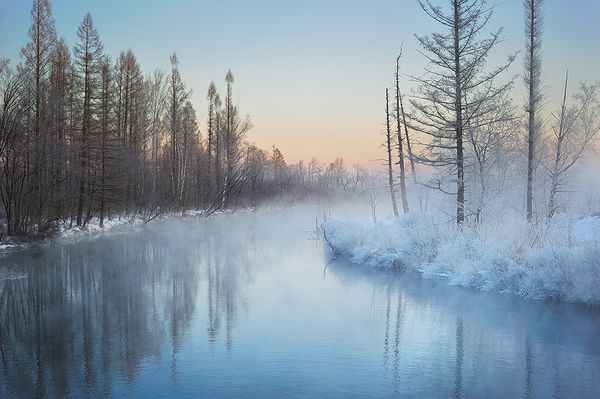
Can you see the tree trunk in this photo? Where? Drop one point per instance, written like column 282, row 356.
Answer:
column 400, row 149
column 460, row 182
column 531, row 124
column 389, row 153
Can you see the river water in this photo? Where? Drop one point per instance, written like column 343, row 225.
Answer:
column 240, row 306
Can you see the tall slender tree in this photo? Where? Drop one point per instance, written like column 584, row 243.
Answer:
column 400, row 140
column 60, row 92
column 532, row 79
column 178, row 95
column 156, row 92
column 457, row 59
column 409, row 149
column 210, row 122
column 105, row 116
column 37, row 55
column 229, row 135
column 88, row 55
column 218, row 144
column 388, row 148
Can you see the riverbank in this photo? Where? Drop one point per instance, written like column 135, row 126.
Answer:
column 559, row 261
column 116, row 225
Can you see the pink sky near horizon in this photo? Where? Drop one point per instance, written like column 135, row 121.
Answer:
column 311, row 74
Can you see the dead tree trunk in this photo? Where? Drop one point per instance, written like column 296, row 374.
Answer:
column 389, row 152
column 400, row 149
column 411, row 157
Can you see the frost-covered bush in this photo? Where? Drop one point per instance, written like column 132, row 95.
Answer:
column 558, row 261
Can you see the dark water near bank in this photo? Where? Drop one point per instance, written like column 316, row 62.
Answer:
column 246, row 306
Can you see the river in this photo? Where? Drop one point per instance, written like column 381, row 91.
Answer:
column 249, row 305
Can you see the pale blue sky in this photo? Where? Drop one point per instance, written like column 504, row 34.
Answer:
column 310, row 73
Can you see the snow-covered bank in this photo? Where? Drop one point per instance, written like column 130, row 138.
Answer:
column 559, row 261
column 92, row 229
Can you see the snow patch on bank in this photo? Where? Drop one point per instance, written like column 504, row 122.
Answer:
column 11, row 273
column 560, row 261
column 113, row 226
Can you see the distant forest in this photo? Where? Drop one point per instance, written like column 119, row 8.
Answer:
column 84, row 136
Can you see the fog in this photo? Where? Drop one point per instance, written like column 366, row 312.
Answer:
column 150, row 248
column 254, row 302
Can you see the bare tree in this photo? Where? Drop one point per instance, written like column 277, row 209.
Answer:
column 575, row 127
column 399, row 110
column 491, row 140
column 218, row 144
column 400, row 102
column 532, row 80
column 105, row 115
column 61, row 87
column 388, row 148
column 210, row 122
column 178, row 95
column 457, row 66
column 88, row 54
column 12, row 142
column 235, row 129
column 229, row 135
column 189, row 142
column 156, row 94
column 37, row 55
column 79, row 139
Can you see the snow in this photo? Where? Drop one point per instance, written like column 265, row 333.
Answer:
column 116, row 225
column 588, row 228
column 8, row 246
column 11, row 273
column 92, row 228
column 559, row 261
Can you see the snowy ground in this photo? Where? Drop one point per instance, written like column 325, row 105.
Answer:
column 559, row 261
column 92, row 229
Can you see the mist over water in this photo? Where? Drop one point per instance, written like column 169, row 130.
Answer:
column 250, row 305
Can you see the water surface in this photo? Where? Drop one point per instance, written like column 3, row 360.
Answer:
column 248, row 306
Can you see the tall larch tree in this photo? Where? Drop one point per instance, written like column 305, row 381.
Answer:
column 210, row 122
column 156, row 95
column 457, row 60
column 88, row 56
column 229, row 135
column 532, row 79
column 37, row 55
column 106, row 134
column 60, row 92
column 177, row 98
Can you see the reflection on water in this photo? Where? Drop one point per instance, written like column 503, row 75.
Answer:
column 95, row 311
column 241, row 306
column 454, row 342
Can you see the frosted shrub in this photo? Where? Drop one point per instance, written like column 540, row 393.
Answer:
column 558, row 261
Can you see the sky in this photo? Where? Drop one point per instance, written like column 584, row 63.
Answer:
column 311, row 74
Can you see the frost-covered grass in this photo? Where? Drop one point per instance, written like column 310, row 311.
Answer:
column 558, row 261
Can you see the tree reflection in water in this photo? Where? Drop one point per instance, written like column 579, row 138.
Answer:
column 91, row 312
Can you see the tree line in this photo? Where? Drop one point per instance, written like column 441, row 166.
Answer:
column 469, row 130
column 84, row 136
